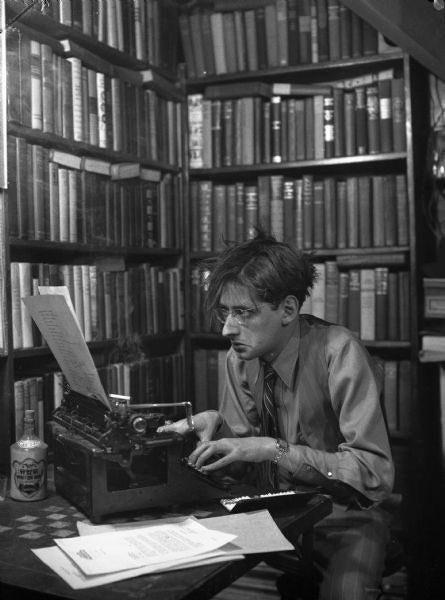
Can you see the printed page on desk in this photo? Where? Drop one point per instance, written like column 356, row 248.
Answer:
column 145, row 546
column 256, row 531
column 56, row 322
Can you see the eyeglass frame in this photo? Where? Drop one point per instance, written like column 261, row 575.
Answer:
column 240, row 315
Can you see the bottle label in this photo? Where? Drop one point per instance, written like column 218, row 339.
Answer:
column 29, row 477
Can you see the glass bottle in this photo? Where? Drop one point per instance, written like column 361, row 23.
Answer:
column 28, row 464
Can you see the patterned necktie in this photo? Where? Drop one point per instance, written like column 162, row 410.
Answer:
column 269, row 428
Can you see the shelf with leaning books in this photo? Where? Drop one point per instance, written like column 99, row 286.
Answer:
column 115, row 32
column 95, row 172
column 112, row 301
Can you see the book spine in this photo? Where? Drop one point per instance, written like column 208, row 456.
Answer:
column 277, row 206
column 308, row 211
column 251, row 211
column 330, row 212
column 334, row 29
column 195, row 121
column 36, row 85
column 361, row 121
column 367, row 304
column 332, row 292
column 385, row 115
column 381, row 303
column 354, row 308
column 276, row 129
column 328, row 126
column 373, row 118
column 318, row 212
column 398, row 114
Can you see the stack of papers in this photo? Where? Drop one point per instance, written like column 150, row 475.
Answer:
column 107, row 553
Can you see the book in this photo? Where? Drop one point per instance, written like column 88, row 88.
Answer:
column 332, row 292
column 365, row 213
column 349, row 122
column 393, row 306
column 282, row 33
column 381, row 303
column 239, row 89
column 36, row 85
column 251, row 40
column 378, row 211
column 328, row 126
column 319, row 292
column 322, row 30
column 292, row 35
column 250, row 211
column 354, row 302
column 330, row 212
column 304, row 31
column 398, row 114
column 288, row 210
column 277, row 206
column 373, row 118
column 367, row 304
column 390, row 210
column 299, row 89
column 385, row 115
column 333, row 7
column 345, row 23
column 402, row 210
column 352, row 213
column 195, row 120
column 318, row 214
column 343, row 298
column 341, row 213
column 276, row 129
column 308, row 211
column 361, row 127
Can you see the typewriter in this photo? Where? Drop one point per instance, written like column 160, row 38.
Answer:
column 110, row 459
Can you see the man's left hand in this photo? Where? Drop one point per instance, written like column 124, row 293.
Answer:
column 225, row 451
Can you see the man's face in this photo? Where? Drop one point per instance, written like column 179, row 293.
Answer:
column 258, row 332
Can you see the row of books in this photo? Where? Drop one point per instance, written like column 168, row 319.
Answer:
column 235, row 37
column 254, row 130
column 119, row 304
column 103, row 106
column 63, row 197
column 309, row 213
column 373, row 303
column 145, row 380
column 209, row 369
column 144, row 29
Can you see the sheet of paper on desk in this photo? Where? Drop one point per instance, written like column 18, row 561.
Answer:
column 55, row 320
column 127, row 549
column 256, row 531
column 59, row 562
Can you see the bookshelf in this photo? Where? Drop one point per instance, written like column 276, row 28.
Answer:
column 348, row 192
column 93, row 140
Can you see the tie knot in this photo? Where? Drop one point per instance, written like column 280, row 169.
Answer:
column 269, row 372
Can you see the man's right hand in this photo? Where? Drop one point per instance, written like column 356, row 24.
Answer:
column 206, row 424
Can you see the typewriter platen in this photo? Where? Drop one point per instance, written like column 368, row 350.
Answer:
column 109, row 460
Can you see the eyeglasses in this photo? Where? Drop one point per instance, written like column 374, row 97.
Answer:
column 241, row 315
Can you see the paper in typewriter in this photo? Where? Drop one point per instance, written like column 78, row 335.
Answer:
column 61, row 330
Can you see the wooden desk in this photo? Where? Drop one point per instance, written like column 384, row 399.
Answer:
column 25, row 525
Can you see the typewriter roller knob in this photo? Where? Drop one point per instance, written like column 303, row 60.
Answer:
column 139, row 424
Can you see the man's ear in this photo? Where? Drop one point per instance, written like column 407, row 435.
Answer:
column 290, row 309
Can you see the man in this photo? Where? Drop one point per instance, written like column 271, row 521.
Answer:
column 327, row 428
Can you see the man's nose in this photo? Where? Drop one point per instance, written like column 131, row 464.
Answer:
column 230, row 325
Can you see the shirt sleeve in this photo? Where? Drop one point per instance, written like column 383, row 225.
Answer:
column 363, row 460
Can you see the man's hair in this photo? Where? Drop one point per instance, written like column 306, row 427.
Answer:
column 269, row 269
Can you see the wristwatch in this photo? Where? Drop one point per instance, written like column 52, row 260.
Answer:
column 282, row 447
